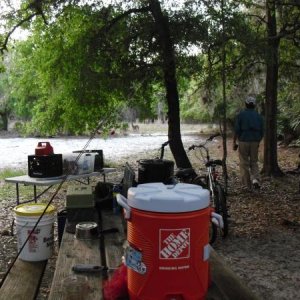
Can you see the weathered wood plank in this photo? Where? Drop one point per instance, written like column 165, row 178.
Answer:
column 113, row 241
column 66, row 283
column 227, row 282
column 23, row 281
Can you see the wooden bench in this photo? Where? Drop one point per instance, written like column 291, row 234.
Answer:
column 23, row 280
column 66, row 283
column 225, row 284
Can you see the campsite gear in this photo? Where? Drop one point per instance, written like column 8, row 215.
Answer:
column 40, row 244
column 45, row 166
column 116, row 286
column 99, row 159
column 61, row 222
column 104, row 195
column 168, row 235
column 155, row 170
column 74, row 164
column 86, row 230
column 44, row 163
column 44, row 148
column 80, row 204
column 90, row 268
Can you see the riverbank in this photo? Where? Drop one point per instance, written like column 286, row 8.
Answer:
column 263, row 243
column 117, row 147
column 156, row 128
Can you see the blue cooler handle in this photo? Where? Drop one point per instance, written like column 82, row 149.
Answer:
column 122, row 201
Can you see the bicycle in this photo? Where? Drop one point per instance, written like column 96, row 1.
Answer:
column 210, row 181
column 190, row 176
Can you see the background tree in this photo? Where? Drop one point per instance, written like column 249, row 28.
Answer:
column 285, row 26
column 92, row 59
column 117, row 49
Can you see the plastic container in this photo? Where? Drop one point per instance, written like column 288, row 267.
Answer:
column 155, row 170
column 40, row 244
column 43, row 148
column 99, row 158
column 75, row 163
column 168, row 235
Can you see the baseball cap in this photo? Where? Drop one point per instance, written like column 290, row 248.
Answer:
column 250, row 99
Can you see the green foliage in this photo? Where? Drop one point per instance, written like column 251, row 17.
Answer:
column 62, row 84
column 193, row 109
column 83, row 67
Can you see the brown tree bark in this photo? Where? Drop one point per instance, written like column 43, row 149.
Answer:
column 169, row 71
column 4, row 118
column 270, row 166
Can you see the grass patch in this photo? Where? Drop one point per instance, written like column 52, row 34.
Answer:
column 5, row 173
column 8, row 190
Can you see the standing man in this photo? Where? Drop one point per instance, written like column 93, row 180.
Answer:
column 249, row 131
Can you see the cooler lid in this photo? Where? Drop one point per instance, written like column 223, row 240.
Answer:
column 158, row 197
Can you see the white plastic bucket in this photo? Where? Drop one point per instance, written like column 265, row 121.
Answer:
column 40, row 244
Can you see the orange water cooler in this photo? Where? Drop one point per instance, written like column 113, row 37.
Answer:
column 168, row 236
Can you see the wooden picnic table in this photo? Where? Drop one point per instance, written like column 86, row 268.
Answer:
column 22, row 283
column 107, row 251
column 69, row 285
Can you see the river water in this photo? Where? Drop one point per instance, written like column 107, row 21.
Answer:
column 15, row 151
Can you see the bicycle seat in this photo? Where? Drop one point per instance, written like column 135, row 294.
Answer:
column 185, row 173
column 214, row 163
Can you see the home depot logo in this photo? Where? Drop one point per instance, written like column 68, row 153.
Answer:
column 174, row 243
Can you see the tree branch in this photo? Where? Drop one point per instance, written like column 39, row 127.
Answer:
column 125, row 14
column 4, row 46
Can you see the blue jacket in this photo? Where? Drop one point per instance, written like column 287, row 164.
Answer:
column 249, row 126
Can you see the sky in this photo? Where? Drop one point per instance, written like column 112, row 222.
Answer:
column 5, row 7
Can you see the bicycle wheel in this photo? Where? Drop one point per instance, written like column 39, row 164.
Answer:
column 201, row 180
column 221, row 207
column 213, row 232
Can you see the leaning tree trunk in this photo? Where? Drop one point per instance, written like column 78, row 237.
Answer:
column 169, row 70
column 270, row 166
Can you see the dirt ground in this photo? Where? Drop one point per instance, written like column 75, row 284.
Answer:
column 264, row 229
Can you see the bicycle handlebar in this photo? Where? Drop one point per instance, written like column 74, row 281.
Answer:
column 213, row 136
column 165, row 144
column 203, row 145
column 162, row 149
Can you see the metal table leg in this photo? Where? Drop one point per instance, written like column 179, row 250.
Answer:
column 34, row 193
column 18, row 194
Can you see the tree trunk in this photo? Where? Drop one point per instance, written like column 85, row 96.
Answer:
column 169, row 71
column 4, row 118
column 270, row 166
column 224, row 110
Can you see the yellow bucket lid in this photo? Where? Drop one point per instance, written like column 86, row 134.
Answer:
column 35, row 209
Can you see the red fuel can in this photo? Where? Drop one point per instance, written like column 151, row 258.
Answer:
column 43, row 148
column 168, row 235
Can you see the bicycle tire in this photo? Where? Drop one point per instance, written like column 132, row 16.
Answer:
column 201, row 180
column 213, row 233
column 213, row 229
column 221, row 207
